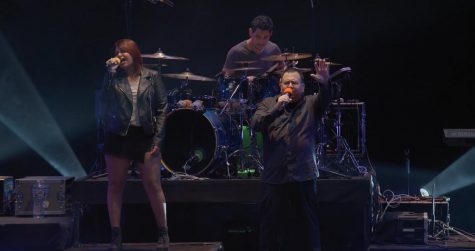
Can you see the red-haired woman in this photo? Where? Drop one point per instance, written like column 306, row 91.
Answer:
column 132, row 117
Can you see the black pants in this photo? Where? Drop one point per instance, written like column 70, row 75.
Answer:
column 288, row 214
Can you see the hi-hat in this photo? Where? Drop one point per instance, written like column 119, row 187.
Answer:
column 160, row 55
column 286, row 56
column 187, row 75
column 302, row 70
column 246, row 69
column 154, row 65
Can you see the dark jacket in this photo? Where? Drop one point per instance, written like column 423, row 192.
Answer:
column 116, row 104
column 290, row 137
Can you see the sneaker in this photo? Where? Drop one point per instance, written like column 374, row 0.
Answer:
column 116, row 239
column 163, row 241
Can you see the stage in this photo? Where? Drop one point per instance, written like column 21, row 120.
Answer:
column 207, row 214
column 226, row 209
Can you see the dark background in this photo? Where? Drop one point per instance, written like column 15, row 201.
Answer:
column 412, row 64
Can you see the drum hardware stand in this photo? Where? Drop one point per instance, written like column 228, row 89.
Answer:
column 241, row 151
column 224, row 150
column 445, row 230
column 243, row 78
column 408, row 169
column 342, row 148
column 98, row 168
column 252, row 135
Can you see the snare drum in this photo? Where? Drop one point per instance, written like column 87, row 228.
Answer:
column 254, row 92
column 179, row 98
column 208, row 102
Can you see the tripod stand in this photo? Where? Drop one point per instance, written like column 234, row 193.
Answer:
column 247, row 161
column 344, row 162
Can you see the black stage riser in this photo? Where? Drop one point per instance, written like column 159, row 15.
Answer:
column 345, row 209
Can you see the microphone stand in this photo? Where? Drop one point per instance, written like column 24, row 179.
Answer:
column 408, row 170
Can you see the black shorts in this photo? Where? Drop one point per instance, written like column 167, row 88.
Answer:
column 132, row 146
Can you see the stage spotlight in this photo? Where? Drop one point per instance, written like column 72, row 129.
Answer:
column 424, row 192
column 24, row 112
column 459, row 174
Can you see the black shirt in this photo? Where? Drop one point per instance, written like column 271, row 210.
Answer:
column 290, row 137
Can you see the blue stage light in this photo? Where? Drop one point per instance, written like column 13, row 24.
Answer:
column 23, row 111
column 457, row 175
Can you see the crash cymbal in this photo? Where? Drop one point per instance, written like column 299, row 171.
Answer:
column 162, row 56
column 286, row 56
column 246, row 69
column 327, row 61
column 302, row 70
column 244, row 62
column 187, row 75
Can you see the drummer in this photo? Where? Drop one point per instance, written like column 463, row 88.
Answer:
column 253, row 50
column 247, row 59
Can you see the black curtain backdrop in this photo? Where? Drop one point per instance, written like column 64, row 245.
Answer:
column 412, row 62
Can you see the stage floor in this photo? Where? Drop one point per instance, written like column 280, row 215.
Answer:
column 189, row 246
column 453, row 243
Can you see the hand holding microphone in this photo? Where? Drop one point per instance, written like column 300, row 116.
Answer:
column 113, row 63
column 285, row 98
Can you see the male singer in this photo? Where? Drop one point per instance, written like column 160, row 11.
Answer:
column 289, row 123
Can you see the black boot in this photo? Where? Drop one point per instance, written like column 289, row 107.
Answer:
column 116, row 239
column 163, row 239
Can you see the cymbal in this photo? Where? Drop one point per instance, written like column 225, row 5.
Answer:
column 160, row 55
column 246, row 69
column 286, row 56
column 302, row 70
column 154, row 65
column 187, row 75
column 244, row 62
column 327, row 62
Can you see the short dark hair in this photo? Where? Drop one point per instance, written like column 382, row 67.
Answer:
column 262, row 22
column 292, row 70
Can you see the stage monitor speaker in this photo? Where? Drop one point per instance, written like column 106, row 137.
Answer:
column 6, row 194
column 58, row 194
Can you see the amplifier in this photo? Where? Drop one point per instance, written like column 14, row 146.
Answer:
column 403, row 228
column 58, row 194
column 6, row 194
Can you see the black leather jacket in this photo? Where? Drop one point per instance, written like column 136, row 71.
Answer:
column 116, row 104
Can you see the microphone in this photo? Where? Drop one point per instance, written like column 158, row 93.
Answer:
column 288, row 91
column 113, row 61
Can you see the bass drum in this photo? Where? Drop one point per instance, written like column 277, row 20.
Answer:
column 196, row 140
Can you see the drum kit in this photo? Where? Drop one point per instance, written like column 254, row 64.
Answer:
column 210, row 135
